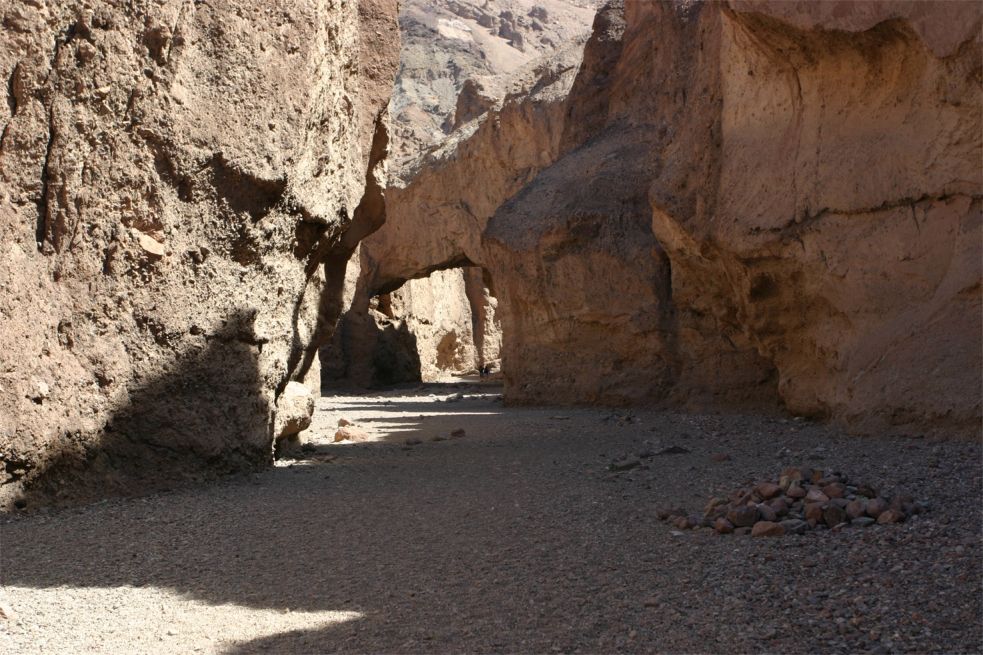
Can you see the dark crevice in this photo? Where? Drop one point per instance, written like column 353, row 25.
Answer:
column 41, row 233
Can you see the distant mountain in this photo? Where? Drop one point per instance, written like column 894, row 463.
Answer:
column 474, row 45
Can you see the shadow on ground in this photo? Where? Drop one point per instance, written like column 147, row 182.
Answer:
column 517, row 538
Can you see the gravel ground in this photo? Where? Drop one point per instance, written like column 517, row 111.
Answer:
column 514, row 538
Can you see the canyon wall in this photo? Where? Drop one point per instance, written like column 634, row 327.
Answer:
column 173, row 178
column 732, row 204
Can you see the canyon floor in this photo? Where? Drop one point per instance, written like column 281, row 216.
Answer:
column 514, row 538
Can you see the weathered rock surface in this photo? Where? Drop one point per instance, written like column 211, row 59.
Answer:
column 172, row 177
column 749, row 203
column 460, row 58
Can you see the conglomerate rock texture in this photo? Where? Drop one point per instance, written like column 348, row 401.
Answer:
column 750, row 203
column 173, row 174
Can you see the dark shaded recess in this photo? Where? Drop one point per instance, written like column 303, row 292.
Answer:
column 203, row 418
column 395, row 359
column 243, row 192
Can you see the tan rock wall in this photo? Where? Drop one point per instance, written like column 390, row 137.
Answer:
column 171, row 177
column 735, row 204
column 845, row 226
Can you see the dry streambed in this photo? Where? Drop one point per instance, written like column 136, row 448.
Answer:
column 532, row 532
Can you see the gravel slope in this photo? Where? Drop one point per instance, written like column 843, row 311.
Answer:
column 513, row 538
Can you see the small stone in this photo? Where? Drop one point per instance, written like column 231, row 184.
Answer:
column 767, row 513
column 673, row 450
column 343, row 422
column 767, row 490
column 856, row 508
column 863, row 521
column 814, row 513
column 835, row 490
column 742, row 530
column 7, row 612
column 834, row 515
column 151, row 246
column 795, row 473
column 723, row 526
column 720, row 457
column 714, row 502
column 876, row 507
column 795, row 526
column 681, row 522
column 891, row 516
column 413, row 441
column 624, row 464
column 816, row 496
column 743, row 516
column 779, row 506
column 351, row 433
column 767, row 529
column 900, row 502
column 438, row 437
column 458, row 433
column 795, row 491
column 696, row 521
column 866, row 491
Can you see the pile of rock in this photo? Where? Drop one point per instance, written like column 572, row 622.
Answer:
column 801, row 499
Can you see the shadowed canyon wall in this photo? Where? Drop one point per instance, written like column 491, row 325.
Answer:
column 728, row 204
column 173, row 175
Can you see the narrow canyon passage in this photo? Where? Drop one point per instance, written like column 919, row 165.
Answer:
column 515, row 537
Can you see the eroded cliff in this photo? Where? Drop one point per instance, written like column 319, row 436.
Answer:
column 747, row 204
column 173, row 177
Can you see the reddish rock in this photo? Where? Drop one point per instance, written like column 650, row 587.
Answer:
column 856, row 508
column 720, row 457
column 816, row 496
column 767, row 529
column 891, row 516
column 766, row 513
column 743, row 516
column 835, row 490
column 876, row 507
column 814, row 513
column 779, row 506
column 767, row 490
column 796, row 473
column 795, row 491
column 681, row 522
column 723, row 526
column 351, row 433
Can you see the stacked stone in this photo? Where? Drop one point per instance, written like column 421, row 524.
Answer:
column 802, row 499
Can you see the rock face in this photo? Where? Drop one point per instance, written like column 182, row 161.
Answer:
column 831, row 214
column 747, row 204
column 459, row 58
column 172, row 179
